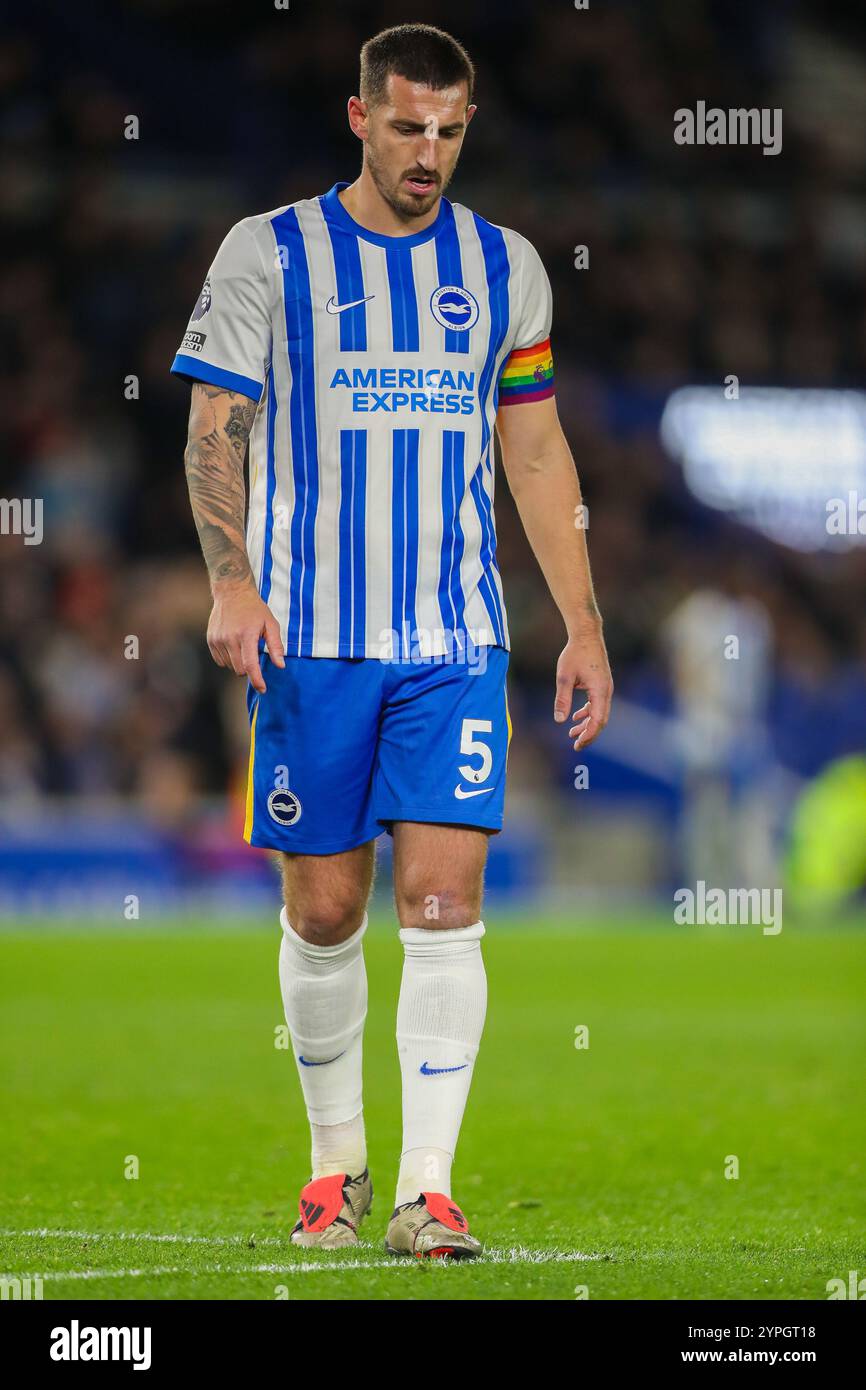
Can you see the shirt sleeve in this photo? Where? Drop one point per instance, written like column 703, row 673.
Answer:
column 228, row 338
column 527, row 373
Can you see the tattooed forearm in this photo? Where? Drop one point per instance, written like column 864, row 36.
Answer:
column 219, row 427
column 238, row 428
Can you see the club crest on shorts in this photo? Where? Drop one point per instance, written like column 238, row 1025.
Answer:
column 284, row 806
column 204, row 302
column 454, row 308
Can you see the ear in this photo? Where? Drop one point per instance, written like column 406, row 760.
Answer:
column 358, row 117
column 470, row 112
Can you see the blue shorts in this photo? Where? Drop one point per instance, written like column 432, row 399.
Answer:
column 341, row 747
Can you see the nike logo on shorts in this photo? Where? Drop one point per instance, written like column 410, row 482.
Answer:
column 462, row 794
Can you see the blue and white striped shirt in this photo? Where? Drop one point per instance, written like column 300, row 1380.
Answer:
column 376, row 363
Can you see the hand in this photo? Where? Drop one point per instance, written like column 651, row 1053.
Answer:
column 238, row 619
column 583, row 665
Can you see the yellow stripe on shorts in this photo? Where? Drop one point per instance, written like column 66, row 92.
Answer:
column 248, row 823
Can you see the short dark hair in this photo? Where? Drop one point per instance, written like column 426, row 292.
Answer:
column 418, row 52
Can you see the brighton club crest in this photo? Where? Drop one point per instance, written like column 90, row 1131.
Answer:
column 284, row 806
column 454, row 307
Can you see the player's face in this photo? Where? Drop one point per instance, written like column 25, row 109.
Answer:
column 413, row 141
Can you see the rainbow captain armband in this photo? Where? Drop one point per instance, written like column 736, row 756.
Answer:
column 527, row 375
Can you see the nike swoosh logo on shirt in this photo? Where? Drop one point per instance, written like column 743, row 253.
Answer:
column 334, row 308
column 426, row 1070
column 461, row 793
column 304, row 1063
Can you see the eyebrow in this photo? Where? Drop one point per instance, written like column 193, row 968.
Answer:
column 450, row 127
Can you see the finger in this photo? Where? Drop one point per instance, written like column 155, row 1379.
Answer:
column 593, row 725
column 578, row 728
column 218, row 652
column 235, row 657
column 273, row 641
column 591, row 732
column 251, row 667
column 578, row 712
column 606, row 699
column 598, row 700
column 564, row 691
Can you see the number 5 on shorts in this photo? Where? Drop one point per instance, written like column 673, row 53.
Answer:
column 472, row 747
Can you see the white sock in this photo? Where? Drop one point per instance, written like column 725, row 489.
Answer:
column 423, row 1170
column 338, row 1148
column 440, row 1018
column 324, row 992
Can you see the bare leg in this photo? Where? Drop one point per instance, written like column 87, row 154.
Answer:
column 438, row 874
column 326, row 894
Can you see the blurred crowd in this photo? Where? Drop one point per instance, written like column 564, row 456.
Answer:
column 702, row 262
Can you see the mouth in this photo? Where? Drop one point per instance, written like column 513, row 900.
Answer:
column 420, row 184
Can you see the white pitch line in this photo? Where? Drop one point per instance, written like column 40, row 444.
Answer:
column 45, row 1233
column 302, row 1267
column 518, row 1254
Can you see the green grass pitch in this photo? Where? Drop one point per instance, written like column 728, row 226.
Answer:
column 600, row 1168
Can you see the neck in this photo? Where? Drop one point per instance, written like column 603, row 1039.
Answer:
column 363, row 202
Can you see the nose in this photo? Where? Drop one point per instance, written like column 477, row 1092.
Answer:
column 427, row 151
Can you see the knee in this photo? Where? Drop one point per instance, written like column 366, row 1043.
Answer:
column 326, row 920
column 326, row 898
column 327, row 928
column 420, row 903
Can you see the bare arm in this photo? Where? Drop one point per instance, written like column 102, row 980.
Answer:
column 219, row 426
column 545, row 487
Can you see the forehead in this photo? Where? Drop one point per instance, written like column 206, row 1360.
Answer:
column 414, row 101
